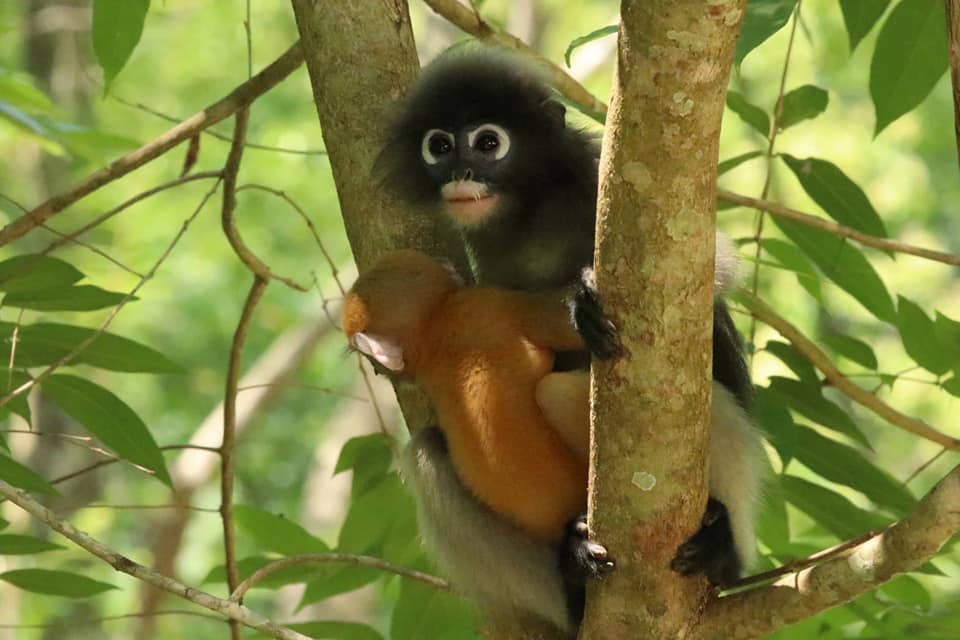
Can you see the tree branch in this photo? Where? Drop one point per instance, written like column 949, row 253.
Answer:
column 837, row 229
column 821, row 361
column 232, row 610
column 240, row 97
column 905, row 546
column 953, row 38
column 325, row 558
column 468, row 19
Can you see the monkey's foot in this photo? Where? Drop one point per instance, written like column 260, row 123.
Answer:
column 710, row 550
column 597, row 331
column 580, row 557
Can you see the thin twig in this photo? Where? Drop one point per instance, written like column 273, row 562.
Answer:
column 240, row 97
column 768, row 179
column 924, row 466
column 325, row 558
column 953, row 38
column 469, row 20
column 73, row 235
column 26, row 386
column 232, row 610
column 821, row 361
column 149, row 507
column 836, row 229
column 312, row 387
column 100, row 252
column 104, row 463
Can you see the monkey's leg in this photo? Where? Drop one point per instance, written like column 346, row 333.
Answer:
column 493, row 563
column 564, row 399
column 725, row 543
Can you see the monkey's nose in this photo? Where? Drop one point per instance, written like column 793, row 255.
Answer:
column 468, row 174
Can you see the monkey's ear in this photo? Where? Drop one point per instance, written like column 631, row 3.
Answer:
column 382, row 349
column 555, row 112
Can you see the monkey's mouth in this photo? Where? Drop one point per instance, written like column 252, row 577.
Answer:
column 468, row 202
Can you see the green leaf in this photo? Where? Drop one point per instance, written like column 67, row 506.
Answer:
column 55, row 583
column 369, row 456
column 774, row 418
column 947, row 331
column 18, row 91
column 952, row 386
column 910, row 58
column 424, row 612
column 762, row 19
column 3, row 524
column 84, row 297
column 837, row 195
column 35, row 272
column 749, row 113
column 110, row 419
column 802, row 103
column 602, row 32
column 342, row 579
column 845, row 265
column 44, row 343
column 335, row 630
column 20, row 476
column 805, row 398
column 793, row 359
column 920, row 338
column 276, row 533
column 845, row 465
column 906, row 591
column 18, row 405
column 773, row 527
column 830, row 510
column 371, row 514
column 280, row 578
column 91, row 144
column 22, row 545
column 117, row 26
column 851, row 349
column 732, row 163
column 859, row 16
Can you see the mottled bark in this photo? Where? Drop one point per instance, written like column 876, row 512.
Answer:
column 655, row 235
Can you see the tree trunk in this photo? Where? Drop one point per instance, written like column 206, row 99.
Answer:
column 654, row 264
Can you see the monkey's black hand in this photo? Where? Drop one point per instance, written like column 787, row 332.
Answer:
column 710, row 550
column 599, row 334
column 580, row 557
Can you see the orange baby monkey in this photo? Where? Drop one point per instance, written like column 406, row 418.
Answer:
column 479, row 353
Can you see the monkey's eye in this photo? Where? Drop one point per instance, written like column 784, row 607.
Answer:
column 435, row 143
column 490, row 139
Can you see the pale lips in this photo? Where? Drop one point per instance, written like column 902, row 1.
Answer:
column 468, row 201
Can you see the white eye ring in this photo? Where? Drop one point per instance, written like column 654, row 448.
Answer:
column 502, row 137
column 425, row 152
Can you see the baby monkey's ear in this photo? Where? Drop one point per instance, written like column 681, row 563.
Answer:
column 383, row 350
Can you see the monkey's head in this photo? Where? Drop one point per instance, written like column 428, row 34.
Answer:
column 478, row 132
column 385, row 311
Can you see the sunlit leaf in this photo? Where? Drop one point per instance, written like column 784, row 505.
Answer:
column 732, row 163
column 859, row 16
column 110, row 419
column 424, row 612
column 44, row 343
column 802, row 103
column 3, row 524
column 19, row 405
column 762, row 19
column 910, row 58
column 773, row 527
column 20, row 92
column 335, row 580
column 368, row 456
column 749, row 113
column 772, row 415
column 845, row 265
column 21, row 477
column 919, row 337
column 793, row 359
column 590, row 37
column 830, row 510
column 852, row 349
column 805, row 398
column 947, row 331
column 55, row 583
column 117, row 26
column 36, row 272
column 271, row 532
column 335, row 630
column 84, row 297
column 837, row 195
column 906, row 591
column 845, row 465
column 11, row 544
